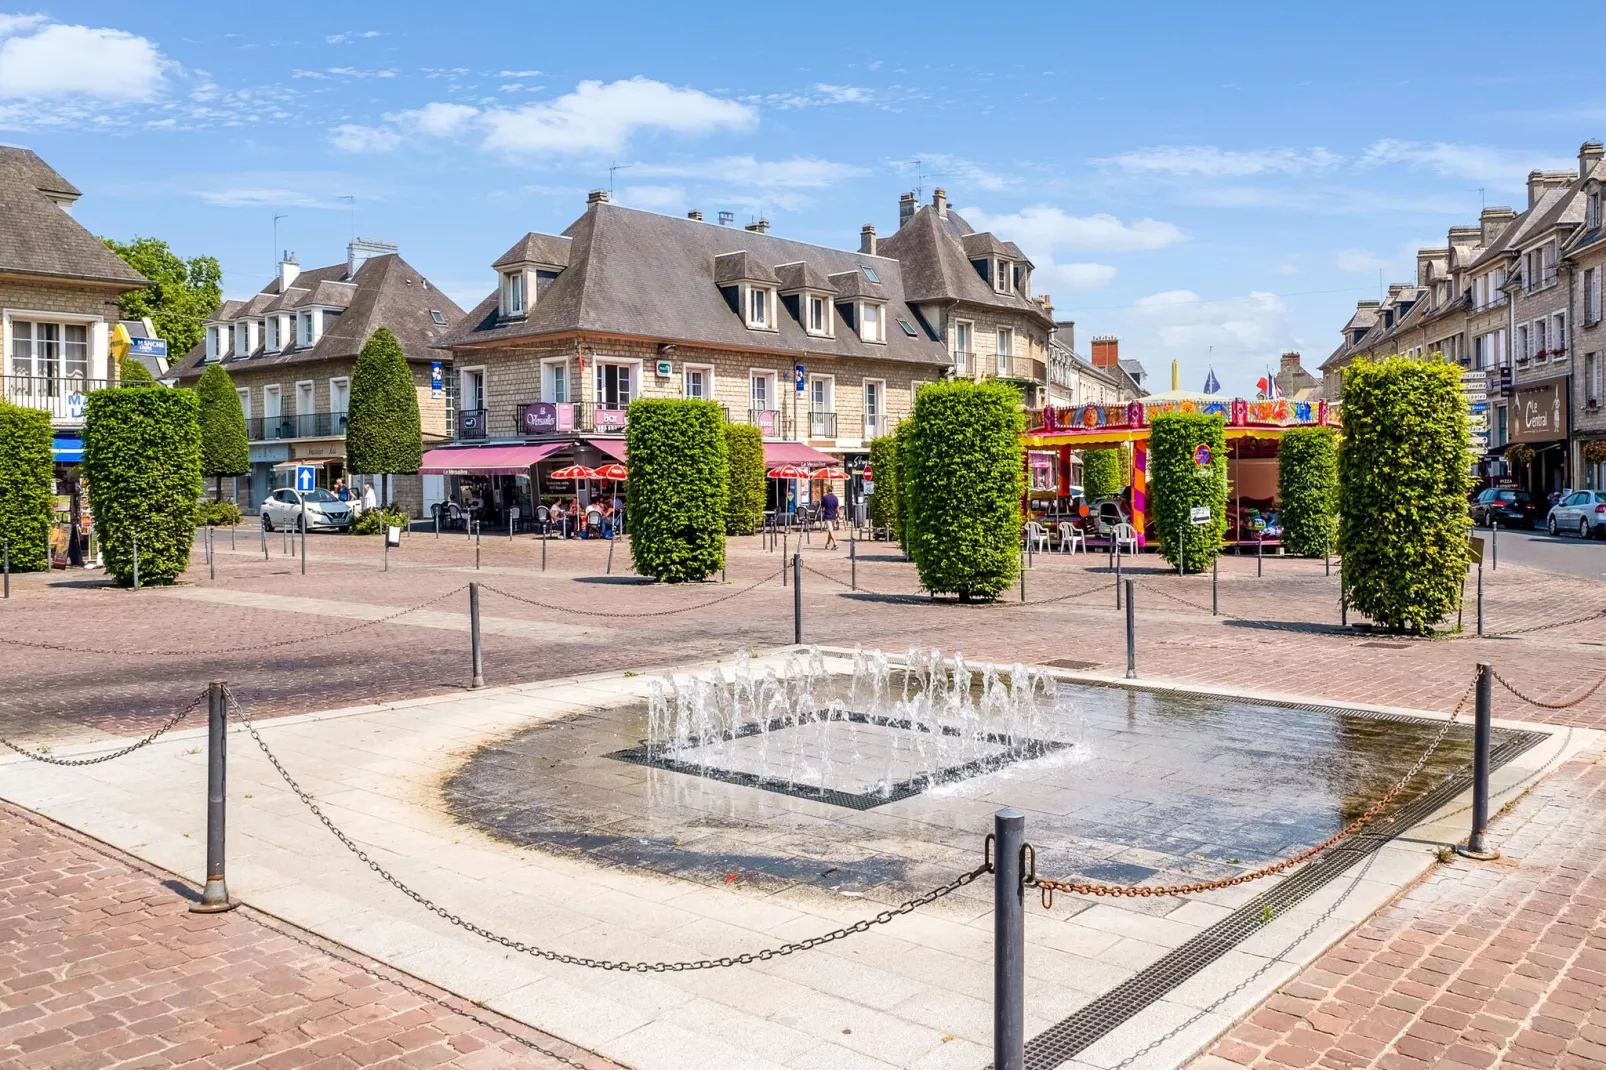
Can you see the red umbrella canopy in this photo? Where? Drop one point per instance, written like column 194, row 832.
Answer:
column 575, row 471
column 830, row 472
column 788, row 471
column 614, row 471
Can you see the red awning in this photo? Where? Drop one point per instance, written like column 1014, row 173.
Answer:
column 486, row 460
column 779, row 453
column 611, row 447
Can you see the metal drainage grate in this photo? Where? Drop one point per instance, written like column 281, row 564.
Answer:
column 1068, row 663
column 1068, row 1038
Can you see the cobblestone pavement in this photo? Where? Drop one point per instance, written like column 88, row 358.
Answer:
column 102, row 965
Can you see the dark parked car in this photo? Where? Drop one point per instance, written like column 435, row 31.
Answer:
column 1510, row 508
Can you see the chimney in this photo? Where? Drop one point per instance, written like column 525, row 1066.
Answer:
column 1047, row 304
column 727, row 218
column 939, row 201
column 867, row 239
column 1493, row 221
column 694, row 214
column 1290, row 360
column 597, row 196
column 1065, row 333
column 762, row 226
column 1589, row 154
column 906, row 208
column 358, row 250
column 288, row 270
column 1106, row 351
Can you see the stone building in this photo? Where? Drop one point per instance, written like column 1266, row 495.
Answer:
column 1584, row 275
column 291, row 350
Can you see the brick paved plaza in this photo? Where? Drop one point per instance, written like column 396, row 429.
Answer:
column 1479, row 964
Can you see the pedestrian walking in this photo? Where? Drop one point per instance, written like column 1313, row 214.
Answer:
column 829, row 507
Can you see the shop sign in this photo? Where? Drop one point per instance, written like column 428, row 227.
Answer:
column 1505, row 380
column 437, row 379
column 539, row 418
column 766, row 423
column 666, row 368
column 1539, row 412
column 270, row 453
column 611, row 419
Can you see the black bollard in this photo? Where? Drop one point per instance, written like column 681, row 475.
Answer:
column 215, row 895
column 264, row 528
column 1215, row 578
column 784, row 542
column 1482, row 729
column 1009, row 941
column 1131, row 636
column 543, row 551
column 853, row 564
column 303, row 526
column 1480, row 597
column 1327, row 558
column 135, row 540
column 1023, row 578
column 1117, row 581
column 610, row 558
column 1182, row 546
column 1260, row 555
column 797, row 599
column 211, row 562
column 476, row 654
column 8, row 568
column 1494, row 545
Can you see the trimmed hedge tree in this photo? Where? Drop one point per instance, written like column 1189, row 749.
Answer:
column 1307, row 489
column 744, row 451
column 131, row 372
column 885, row 500
column 962, row 471
column 383, row 432
column 1402, row 477
column 679, row 489
column 142, row 459
column 27, row 472
column 224, row 450
column 1177, row 485
column 1103, row 474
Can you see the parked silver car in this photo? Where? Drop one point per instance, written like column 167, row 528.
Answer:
column 324, row 511
column 1581, row 513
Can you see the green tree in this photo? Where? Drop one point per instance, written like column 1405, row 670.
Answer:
column 383, row 432
column 131, row 372
column 1103, row 473
column 142, row 460
column 1307, row 489
column 27, row 471
column 679, row 488
column 885, row 504
column 224, row 449
column 744, row 448
column 181, row 295
column 962, row 470
column 1403, row 478
column 1178, row 484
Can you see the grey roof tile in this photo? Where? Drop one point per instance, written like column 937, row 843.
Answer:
column 550, row 250
column 39, row 238
column 930, row 248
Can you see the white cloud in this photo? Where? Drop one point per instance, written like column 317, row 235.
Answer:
column 1050, row 278
column 653, row 197
column 1359, row 261
column 286, row 189
column 437, row 119
column 61, row 60
column 843, row 94
column 351, row 137
column 518, row 74
column 933, row 169
column 1497, row 168
column 602, row 117
column 798, row 172
column 1211, row 162
column 1042, row 226
column 1239, row 336
column 342, row 38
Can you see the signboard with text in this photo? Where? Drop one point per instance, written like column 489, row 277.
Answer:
column 1538, row 411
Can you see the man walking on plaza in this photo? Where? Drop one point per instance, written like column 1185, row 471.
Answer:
column 829, row 506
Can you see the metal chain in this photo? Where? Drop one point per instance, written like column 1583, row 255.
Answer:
column 1582, row 696
column 628, row 616
column 997, row 603
column 272, row 645
column 147, row 741
column 1049, row 887
column 1542, row 627
column 746, row 958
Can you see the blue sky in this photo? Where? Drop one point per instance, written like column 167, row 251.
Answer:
column 1210, row 183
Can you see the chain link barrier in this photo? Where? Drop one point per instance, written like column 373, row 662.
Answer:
column 212, row 651
column 1049, row 886
column 997, row 603
column 630, row 615
column 746, row 958
column 1530, row 700
column 130, row 749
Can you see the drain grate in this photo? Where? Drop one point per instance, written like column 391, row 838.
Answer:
column 1068, row 663
column 1068, row 1038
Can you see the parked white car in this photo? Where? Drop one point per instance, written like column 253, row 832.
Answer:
column 324, row 512
column 1581, row 513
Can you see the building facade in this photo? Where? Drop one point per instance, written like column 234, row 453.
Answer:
column 292, row 348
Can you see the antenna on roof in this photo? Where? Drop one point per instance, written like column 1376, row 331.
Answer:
column 351, row 202
column 276, row 219
column 614, row 168
column 1482, row 201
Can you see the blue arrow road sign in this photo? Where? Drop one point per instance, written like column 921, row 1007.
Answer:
column 306, row 477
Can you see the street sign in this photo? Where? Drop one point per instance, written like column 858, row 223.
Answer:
column 1505, row 380
column 801, row 375
column 1476, row 395
column 437, row 379
column 306, row 477
column 666, row 368
column 1475, row 548
column 1199, row 514
column 392, row 536
column 148, row 347
column 1473, row 377
column 1202, row 456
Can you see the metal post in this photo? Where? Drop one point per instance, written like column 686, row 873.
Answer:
column 1215, row 578
column 1327, row 558
column 853, row 565
column 797, row 599
column 1481, row 730
column 384, row 537
column 610, row 557
column 264, row 528
column 135, row 540
column 510, row 525
column 1131, row 636
column 437, row 521
column 215, row 895
column 1480, row 597
column 303, row 526
column 1494, row 545
column 543, row 551
column 1182, row 547
column 784, row 543
column 475, row 652
column 8, row 567
column 1029, row 548
column 1009, row 941
column 211, row 562
column 233, row 528
column 1117, row 581
column 1260, row 556
column 476, row 557
column 206, row 541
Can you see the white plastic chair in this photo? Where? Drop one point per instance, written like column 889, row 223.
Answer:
column 1037, row 535
column 1125, row 535
column 1071, row 539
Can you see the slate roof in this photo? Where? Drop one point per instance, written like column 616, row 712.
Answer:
column 802, row 276
column 931, row 249
column 548, row 249
column 742, row 266
column 647, row 275
column 385, row 292
column 39, row 238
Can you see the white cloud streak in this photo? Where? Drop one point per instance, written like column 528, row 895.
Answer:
column 1209, row 161
column 45, row 60
column 798, row 172
column 1043, row 226
column 1496, row 168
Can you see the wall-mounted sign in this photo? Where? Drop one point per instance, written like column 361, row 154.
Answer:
column 437, row 379
column 1202, row 456
column 148, row 347
column 1505, row 380
column 1539, row 411
column 666, row 368
column 766, row 423
column 801, row 377
column 611, row 419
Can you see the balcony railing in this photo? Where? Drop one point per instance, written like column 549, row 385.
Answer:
column 303, row 425
column 772, row 423
column 471, row 423
column 62, row 398
column 964, row 362
column 822, row 425
column 876, row 425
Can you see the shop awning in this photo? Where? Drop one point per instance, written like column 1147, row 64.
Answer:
column 612, row 447
column 779, row 453
column 486, row 460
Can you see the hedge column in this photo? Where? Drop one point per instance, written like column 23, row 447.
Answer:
column 884, row 499
column 142, row 459
column 383, row 432
column 679, row 488
column 224, row 448
column 744, row 448
column 27, row 471
column 962, row 468
column 1103, row 473
column 1180, row 484
column 1307, row 489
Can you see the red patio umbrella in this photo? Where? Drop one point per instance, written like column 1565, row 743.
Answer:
column 615, row 472
column 575, row 471
column 788, row 471
column 828, row 472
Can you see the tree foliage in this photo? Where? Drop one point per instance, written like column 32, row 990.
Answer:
column 224, row 449
column 1403, row 478
column 1177, row 485
column 885, row 505
column 142, row 460
column 679, row 489
column 961, row 467
column 182, row 293
column 27, row 472
column 130, row 372
column 1307, row 489
column 744, row 449
column 1103, row 473
column 383, row 431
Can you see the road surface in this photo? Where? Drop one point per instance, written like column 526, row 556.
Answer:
column 1566, row 553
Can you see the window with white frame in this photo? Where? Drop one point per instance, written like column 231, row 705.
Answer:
column 242, row 338
column 1592, row 295
column 614, row 385
column 819, row 318
column 761, row 391
column 822, row 394
column 304, row 327
column 699, row 383
column 555, row 382
column 1003, row 274
column 1522, row 341
column 271, row 342
column 875, row 398
column 1558, row 334
column 872, row 327
column 1592, row 210
column 1592, row 383
column 513, row 293
column 1006, row 351
column 52, row 351
column 272, row 402
column 1536, row 338
column 964, row 345
column 245, row 400
column 471, row 389
column 304, row 398
column 760, row 307
column 339, row 394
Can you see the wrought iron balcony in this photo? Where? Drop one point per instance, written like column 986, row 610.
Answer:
column 822, row 425
column 63, row 397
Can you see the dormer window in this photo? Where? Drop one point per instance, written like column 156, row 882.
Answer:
column 819, row 317
column 1003, row 276
column 1592, row 211
column 513, row 294
column 872, row 326
column 759, row 307
column 305, row 325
